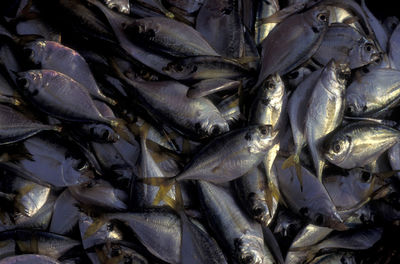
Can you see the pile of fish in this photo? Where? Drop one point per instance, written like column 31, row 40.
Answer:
column 199, row 131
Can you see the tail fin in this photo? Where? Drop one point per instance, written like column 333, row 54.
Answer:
column 294, row 160
column 165, row 185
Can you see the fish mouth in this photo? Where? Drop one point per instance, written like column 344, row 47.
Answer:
column 376, row 57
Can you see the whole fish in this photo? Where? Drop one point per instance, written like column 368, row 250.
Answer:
column 326, row 109
column 223, row 159
column 280, row 50
column 55, row 93
column 55, row 56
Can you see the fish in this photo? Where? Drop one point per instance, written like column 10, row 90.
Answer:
column 346, row 45
column 52, row 55
column 324, row 115
column 217, row 163
column 359, row 143
column 307, row 28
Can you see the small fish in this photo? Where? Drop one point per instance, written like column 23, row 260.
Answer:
column 52, row 55
column 281, row 46
column 56, row 94
column 359, row 143
column 205, row 67
column 346, row 45
column 364, row 96
column 217, row 163
column 326, row 109
column 242, row 237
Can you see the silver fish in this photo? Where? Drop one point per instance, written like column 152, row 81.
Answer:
column 373, row 93
column 281, row 46
column 359, row 143
column 326, row 109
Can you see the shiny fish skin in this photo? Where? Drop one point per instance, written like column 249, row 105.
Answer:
column 15, row 127
column 46, row 87
column 264, row 10
column 54, row 56
column 28, row 259
column 346, row 45
column 326, row 109
column 369, row 97
column 359, row 143
column 241, row 236
column 394, row 48
column 313, row 202
column 307, row 28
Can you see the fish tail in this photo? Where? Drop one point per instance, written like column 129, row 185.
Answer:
column 165, row 184
column 94, row 227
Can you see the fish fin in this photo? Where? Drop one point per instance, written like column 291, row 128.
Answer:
column 386, row 174
column 94, row 227
column 294, row 160
column 246, row 59
column 176, row 204
column 351, row 20
column 165, row 185
column 119, row 126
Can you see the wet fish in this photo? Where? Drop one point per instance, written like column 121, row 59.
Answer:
column 373, row 93
column 55, row 56
column 346, row 45
column 281, row 46
column 359, row 143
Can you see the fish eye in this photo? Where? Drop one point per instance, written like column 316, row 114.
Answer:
column 322, row 17
column 22, row 82
column 81, row 165
column 368, row 47
column 270, row 85
column 110, row 227
column 337, row 147
column 365, row 176
column 264, row 130
column 105, row 134
column 257, row 211
column 319, row 219
column 248, row 259
column 115, row 252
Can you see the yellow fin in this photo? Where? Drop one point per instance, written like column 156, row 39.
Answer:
column 94, row 227
column 294, row 160
column 165, row 185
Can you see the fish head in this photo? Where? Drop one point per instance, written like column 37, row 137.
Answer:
column 337, row 73
column 368, row 51
column 259, row 208
column 249, row 249
column 119, row 6
column 318, row 18
column 322, row 212
column 338, row 148
column 356, row 104
column 30, row 82
column 103, row 132
column 273, row 89
column 35, row 51
column 178, row 70
column 260, row 138
column 211, row 123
